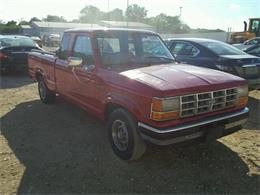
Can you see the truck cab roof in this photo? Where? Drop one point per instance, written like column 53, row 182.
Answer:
column 109, row 29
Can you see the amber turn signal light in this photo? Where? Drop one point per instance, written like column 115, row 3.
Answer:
column 162, row 116
column 157, row 105
column 242, row 101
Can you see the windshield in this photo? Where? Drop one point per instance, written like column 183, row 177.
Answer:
column 220, row 48
column 16, row 42
column 122, row 50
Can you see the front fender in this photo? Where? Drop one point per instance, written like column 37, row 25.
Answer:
column 124, row 102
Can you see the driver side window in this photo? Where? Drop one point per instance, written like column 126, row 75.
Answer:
column 83, row 49
column 184, row 49
column 64, row 48
column 252, row 42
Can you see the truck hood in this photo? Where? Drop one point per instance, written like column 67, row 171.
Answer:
column 181, row 76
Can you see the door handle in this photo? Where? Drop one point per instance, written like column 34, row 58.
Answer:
column 83, row 78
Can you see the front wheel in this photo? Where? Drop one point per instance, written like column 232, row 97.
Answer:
column 45, row 94
column 124, row 137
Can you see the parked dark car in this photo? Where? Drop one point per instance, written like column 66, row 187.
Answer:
column 51, row 40
column 37, row 40
column 217, row 55
column 13, row 52
column 254, row 50
column 247, row 43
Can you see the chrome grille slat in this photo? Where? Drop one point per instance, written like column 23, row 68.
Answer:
column 205, row 99
column 207, row 102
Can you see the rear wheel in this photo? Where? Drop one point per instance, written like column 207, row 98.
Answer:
column 45, row 94
column 124, row 137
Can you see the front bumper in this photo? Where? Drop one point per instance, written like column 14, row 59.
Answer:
column 225, row 124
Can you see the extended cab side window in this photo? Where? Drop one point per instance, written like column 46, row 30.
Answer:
column 184, row 49
column 83, row 48
column 64, row 48
column 110, row 51
column 152, row 46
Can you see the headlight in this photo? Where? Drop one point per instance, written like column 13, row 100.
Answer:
column 242, row 94
column 242, row 91
column 165, row 108
column 224, row 68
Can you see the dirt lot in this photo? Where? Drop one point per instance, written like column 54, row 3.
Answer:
column 61, row 149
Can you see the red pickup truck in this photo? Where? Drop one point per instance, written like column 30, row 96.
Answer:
column 129, row 79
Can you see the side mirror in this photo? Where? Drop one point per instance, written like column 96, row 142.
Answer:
column 75, row 61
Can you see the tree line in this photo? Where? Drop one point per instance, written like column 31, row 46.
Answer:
column 90, row 14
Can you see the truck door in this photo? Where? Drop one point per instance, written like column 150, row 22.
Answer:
column 84, row 77
column 63, row 72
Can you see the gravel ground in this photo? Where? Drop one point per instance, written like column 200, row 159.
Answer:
column 61, row 149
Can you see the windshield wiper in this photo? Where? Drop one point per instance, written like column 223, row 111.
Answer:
column 160, row 57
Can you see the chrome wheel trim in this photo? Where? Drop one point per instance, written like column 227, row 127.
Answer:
column 120, row 135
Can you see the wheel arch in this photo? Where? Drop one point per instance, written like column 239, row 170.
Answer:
column 39, row 73
column 111, row 106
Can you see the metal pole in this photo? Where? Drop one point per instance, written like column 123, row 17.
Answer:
column 127, row 5
column 108, row 14
column 180, row 12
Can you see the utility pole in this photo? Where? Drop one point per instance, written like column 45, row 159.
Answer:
column 108, row 14
column 127, row 5
column 180, row 12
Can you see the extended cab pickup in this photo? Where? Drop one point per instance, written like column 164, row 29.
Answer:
column 129, row 79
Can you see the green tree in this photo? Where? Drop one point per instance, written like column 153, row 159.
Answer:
column 11, row 23
column 90, row 14
column 168, row 24
column 53, row 18
column 136, row 13
column 10, row 27
column 34, row 19
column 115, row 14
column 203, row 30
column 23, row 22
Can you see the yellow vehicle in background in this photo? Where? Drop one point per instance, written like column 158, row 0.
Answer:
column 252, row 31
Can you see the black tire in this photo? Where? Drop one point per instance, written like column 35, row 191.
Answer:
column 135, row 146
column 46, row 96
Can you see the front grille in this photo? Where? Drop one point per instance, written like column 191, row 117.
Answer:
column 207, row 102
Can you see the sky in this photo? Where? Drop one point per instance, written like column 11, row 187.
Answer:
column 210, row 14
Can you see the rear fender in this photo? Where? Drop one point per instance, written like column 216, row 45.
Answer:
column 40, row 72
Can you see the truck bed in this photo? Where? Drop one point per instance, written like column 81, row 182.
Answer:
column 42, row 62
